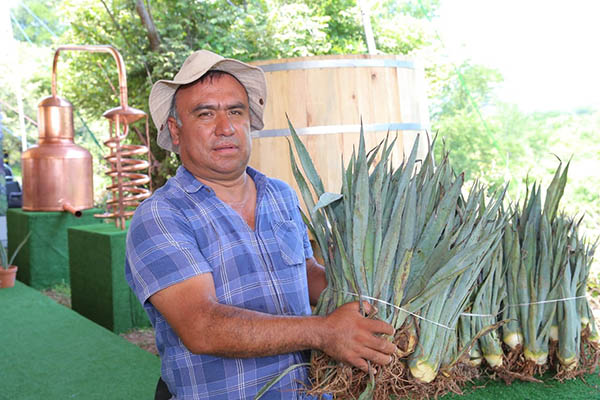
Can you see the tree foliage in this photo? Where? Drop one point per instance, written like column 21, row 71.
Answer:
column 246, row 30
column 37, row 22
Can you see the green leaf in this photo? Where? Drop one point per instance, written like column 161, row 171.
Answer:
column 326, row 199
column 273, row 381
column 306, row 161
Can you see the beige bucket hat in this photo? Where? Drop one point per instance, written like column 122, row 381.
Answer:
column 196, row 65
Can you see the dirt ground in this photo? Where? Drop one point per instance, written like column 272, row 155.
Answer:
column 143, row 338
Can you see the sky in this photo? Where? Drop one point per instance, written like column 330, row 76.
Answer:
column 547, row 51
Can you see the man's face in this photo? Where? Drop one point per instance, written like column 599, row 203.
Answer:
column 214, row 136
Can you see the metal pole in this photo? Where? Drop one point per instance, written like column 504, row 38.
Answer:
column 366, row 18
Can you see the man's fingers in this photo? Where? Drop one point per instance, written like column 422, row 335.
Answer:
column 369, row 309
column 378, row 326
column 361, row 364
column 379, row 345
column 376, row 357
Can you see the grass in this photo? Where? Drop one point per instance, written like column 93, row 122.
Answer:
column 61, row 293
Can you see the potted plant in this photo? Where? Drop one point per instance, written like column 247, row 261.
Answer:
column 8, row 272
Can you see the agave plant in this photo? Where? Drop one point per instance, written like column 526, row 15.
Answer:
column 5, row 262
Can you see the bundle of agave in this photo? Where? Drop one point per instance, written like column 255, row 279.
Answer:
column 546, row 276
column 577, row 348
column 407, row 241
column 475, row 235
column 535, row 263
column 480, row 319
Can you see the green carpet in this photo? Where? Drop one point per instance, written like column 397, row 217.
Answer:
column 575, row 389
column 44, row 259
column 50, row 352
column 98, row 287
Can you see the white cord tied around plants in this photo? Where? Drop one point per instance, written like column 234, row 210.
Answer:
column 396, row 307
column 464, row 314
column 546, row 301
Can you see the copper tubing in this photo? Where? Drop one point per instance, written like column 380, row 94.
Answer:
column 69, row 208
column 96, row 49
column 126, row 188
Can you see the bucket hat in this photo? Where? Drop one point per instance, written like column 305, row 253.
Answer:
column 196, row 65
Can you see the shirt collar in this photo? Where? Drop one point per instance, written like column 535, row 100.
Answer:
column 187, row 181
column 190, row 184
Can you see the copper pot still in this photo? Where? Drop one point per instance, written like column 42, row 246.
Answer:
column 57, row 173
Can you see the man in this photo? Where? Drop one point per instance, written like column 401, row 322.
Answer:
column 220, row 257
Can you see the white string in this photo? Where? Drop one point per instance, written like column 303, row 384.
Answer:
column 461, row 314
column 522, row 304
column 466, row 314
column 546, row 301
column 396, row 307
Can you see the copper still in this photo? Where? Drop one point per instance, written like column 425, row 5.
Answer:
column 57, row 174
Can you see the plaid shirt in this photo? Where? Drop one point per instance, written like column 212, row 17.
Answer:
column 184, row 230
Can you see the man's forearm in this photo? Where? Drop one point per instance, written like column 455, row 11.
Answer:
column 228, row 331
column 206, row 326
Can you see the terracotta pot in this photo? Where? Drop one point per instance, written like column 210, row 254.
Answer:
column 7, row 276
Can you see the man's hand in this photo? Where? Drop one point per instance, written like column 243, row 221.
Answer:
column 351, row 338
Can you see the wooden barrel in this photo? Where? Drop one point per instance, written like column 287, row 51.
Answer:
column 325, row 98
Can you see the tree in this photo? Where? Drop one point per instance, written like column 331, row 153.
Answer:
column 155, row 41
column 36, row 22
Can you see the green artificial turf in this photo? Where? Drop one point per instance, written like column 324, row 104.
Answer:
column 48, row 351
column 44, row 259
column 98, row 287
column 550, row 389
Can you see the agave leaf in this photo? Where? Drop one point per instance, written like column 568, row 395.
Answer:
column 326, row 199
column 555, row 192
column 306, row 161
column 273, row 381
column 360, row 221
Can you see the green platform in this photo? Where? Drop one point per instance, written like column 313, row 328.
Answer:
column 50, row 352
column 44, row 260
column 98, row 287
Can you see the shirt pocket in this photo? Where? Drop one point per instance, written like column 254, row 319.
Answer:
column 289, row 241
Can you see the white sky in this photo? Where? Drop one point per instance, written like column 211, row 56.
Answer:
column 547, row 50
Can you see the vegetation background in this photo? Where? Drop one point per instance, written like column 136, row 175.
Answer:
column 491, row 140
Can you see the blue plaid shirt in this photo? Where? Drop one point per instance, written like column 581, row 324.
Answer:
column 184, row 230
